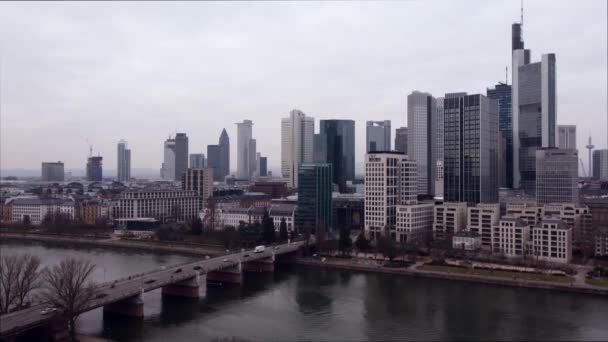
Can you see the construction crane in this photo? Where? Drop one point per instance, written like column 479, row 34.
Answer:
column 583, row 167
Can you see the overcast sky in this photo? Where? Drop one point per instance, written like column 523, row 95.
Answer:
column 105, row 71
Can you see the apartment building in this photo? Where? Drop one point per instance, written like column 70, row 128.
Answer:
column 481, row 219
column 511, row 237
column 552, row 241
column 449, row 218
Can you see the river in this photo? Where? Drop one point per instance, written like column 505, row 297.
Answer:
column 312, row 304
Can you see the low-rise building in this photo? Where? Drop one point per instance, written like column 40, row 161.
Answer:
column 601, row 244
column 449, row 218
column 481, row 219
column 36, row 209
column 466, row 240
column 414, row 222
column 552, row 241
column 511, row 237
column 282, row 211
column 164, row 204
column 273, row 189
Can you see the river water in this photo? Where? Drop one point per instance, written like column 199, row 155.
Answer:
column 312, row 304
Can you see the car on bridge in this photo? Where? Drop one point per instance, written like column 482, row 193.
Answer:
column 149, row 281
column 48, row 311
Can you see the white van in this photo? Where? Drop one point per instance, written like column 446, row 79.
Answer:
column 259, row 249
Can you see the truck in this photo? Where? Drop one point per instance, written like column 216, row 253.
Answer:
column 259, row 249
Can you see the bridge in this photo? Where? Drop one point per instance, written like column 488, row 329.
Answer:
column 125, row 296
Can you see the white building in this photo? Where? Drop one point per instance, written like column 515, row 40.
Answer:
column 566, row 136
column 167, row 171
column 297, row 136
column 466, row 240
column 481, row 219
column 552, row 241
column 389, row 180
column 601, row 244
column 169, row 204
column 449, row 218
column 282, row 211
column 37, row 209
column 414, row 222
column 511, row 237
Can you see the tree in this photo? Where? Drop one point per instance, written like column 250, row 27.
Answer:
column 387, row 247
column 362, row 243
column 283, row 230
column 29, row 277
column 9, row 274
column 196, row 226
column 268, row 228
column 19, row 276
column 345, row 243
column 68, row 288
column 230, row 237
column 26, row 220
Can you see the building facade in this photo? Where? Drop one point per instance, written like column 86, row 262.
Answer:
column 335, row 145
column 552, row 241
column 511, row 237
column 421, row 123
column 52, row 172
column 314, row 197
column 502, row 92
column 199, row 181
column 566, row 136
column 401, row 139
column 224, row 156
column 94, row 169
column 378, row 136
column 123, row 162
column 414, row 222
column 297, row 144
column 600, row 164
column 556, row 175
column 481, row 219
column 246, row 163
column 164, row 205
column 197, row 160
column 470, row 166
column 449, row 218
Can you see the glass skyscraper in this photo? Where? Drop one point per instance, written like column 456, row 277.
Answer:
column 471, row 148
column 335, row 145
column 502, row 93
column 314, row 197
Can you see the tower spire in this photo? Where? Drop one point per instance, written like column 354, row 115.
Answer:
column 522, row 13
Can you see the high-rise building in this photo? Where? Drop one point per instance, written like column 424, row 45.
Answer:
column 214, row 160
column 245, row 150
column 600, row 164
column 201, row 181
column 94, row 169
column 297, row 136
column 167, row 170
column 224, row 145
column 401, row 139
column 556, row 175
column 378, row 136
column 52, row 172
column 439, row 149
column 470, row 164
column 123, row 162
column 533, row 108
column 181, row 155
column 262, row 166
column 197, row 160
column 314, row 197
column 421, row 123
column 566, row 136
column 335, row 144
column 502, row 92
column 390, row 180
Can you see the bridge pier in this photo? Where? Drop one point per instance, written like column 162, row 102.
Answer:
column 229, row 275
column 189, row 288
column 260, row 265
column 132, row 306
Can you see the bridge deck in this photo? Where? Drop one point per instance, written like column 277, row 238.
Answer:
column 127, row 287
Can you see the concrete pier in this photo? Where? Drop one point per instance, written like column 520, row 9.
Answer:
column 189, row 288
column 132, row 306
column 229, row 275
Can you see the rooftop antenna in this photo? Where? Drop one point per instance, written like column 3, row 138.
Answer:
column 506, row 74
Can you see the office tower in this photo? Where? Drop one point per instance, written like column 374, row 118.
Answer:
column 390, row 180
column 214, row 161
column 533, row 108
column 470, row 164
column 199, row 180
column 52, row 172
column 181, row 155
column 94, row 169
column 421, row 124
column 600, row 164
column 566, row 136
column 438, row 130
column 335, row 144
column 378, row 136
column 314, row 197
column 167, row 171
column 263, row 166
column 245, row 150
column 123, row 162
column 197, row 160
column 297, row 136
column 224, row 163
column 502, row 92
column 401, row 139
column 556, row 175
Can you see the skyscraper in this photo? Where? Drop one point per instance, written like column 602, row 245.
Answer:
column 556, row 175
column 471, row 148
column 566, row 136
column 335, row 145
column 214, row 162
column 378, row 136
column 123, row 162
column 401, row 139
column 314, row 197
column 52, row 172
column 181, row 155
column 224, row 145
column 421, row 123
column 533, row 108
column 262, row 166
column 600, row 164
column 197, row 160
column 245, row 150
column 503, row 92
column 167, row 170
column 201, row 181
column 297, row 135
column 94, row 169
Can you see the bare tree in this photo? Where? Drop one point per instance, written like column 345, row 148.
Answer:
column 19, row 276
column 9, row 274
column 29, row 277
column 68, row 288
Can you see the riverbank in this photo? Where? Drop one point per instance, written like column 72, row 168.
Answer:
column 362, row 265
column 148, row 246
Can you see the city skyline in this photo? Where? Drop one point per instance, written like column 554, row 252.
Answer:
column 379, row 88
